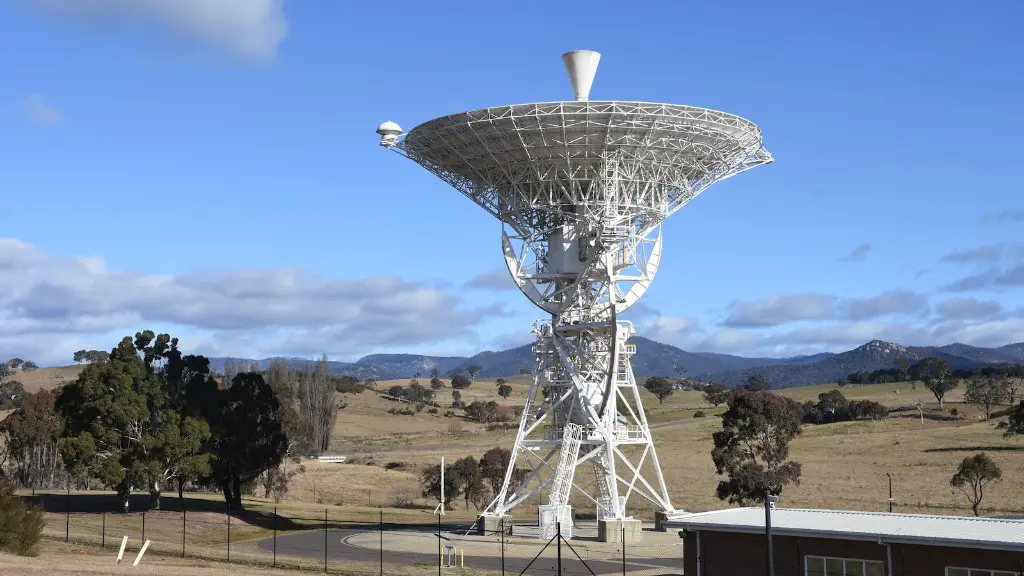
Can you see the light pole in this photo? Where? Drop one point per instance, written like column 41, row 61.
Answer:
column 769, row 503
column 890, row 491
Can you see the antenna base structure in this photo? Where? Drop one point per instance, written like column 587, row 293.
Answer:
column 581, row 189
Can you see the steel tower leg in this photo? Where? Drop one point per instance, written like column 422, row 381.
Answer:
column 584, row 377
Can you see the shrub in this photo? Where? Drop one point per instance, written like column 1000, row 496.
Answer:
column 21, row 526
column 432, row 411
column 349, row 385
column 402, row 498
column 699, row 414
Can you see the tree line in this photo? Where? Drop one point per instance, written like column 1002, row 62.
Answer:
column 148, row 417
column 751, row 451
column 477, row 482
column 985, row 387
column 12, row 390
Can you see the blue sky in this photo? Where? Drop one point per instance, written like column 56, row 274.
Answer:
column 212, row 170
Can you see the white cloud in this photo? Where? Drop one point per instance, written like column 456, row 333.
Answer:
column 38, row 111
column 967, row 308
column 1009, row 215
column 249, row 29
column 988, row 253
column 497, row 280
column 841, row 336
column 246, row 311
column 780, row 309
column 894, row 302
column 858, row 254
column 675, row 330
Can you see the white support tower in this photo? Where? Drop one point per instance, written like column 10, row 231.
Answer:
column 581, row 189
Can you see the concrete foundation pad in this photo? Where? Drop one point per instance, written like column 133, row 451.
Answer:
column 627, row 531
column 488, row 524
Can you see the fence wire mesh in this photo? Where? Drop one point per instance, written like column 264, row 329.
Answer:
column 360, row 541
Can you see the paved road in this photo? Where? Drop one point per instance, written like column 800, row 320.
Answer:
column 310, row 545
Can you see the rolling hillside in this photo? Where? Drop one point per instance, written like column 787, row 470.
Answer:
column 652, row 359
column 657, row 359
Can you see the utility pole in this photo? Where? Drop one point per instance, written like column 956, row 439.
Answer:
column 890, row 492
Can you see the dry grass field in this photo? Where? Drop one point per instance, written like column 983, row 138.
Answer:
column 36, row 380
column 59, row 559
column 844, row 464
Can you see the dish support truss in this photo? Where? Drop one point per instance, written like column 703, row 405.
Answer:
column 580, row 414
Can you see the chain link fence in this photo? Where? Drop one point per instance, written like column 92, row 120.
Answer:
column 365, row 542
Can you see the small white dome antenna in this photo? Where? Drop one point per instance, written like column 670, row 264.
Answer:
column 582, row 66
column 389, row 133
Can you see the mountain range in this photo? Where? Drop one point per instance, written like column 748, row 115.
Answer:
column 657, row 359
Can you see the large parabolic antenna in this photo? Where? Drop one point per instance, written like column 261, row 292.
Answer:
column 581, row 189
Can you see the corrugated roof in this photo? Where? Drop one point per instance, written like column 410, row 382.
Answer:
column 960, row 531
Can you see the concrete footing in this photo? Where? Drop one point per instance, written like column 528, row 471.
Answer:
column 627, row 531
column 488, row 524
column 660, row 518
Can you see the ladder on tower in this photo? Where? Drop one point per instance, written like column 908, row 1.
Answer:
column 566, row 469
column 605, row 503
column 557, row 513
column 610, row 180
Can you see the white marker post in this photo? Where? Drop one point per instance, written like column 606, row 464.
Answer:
column 141, row 552
column 120, row 553
column 440, row 507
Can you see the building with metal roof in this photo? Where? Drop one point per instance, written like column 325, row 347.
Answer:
column 849, row 543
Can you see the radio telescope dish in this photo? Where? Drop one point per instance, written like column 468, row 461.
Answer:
column 581, row 189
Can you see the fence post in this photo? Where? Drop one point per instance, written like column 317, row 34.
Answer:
column 184, row 520
column 439, row 545
column 381, row 526
column 622, row 537
column 275, row 536
column 67, row 527
column 325, row 540
column 229, row 532
column 103, row 530
column 143, row 526
column 558, row 535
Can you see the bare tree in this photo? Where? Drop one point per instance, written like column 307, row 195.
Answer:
column 1013, row 374
column 316, row 403
column 919, row 404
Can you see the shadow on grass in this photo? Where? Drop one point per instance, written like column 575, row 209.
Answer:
column 261, row 516
column 57, row 503
column 977, row 449
column 937, row 416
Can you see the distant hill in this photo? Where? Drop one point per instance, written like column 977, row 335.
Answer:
column 874, row 355
column 657, row 359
